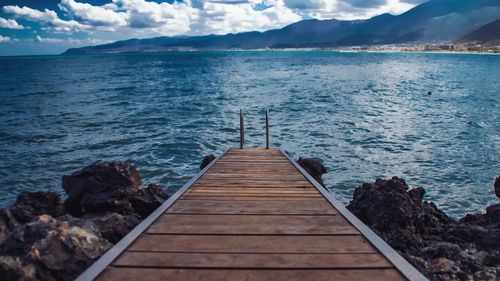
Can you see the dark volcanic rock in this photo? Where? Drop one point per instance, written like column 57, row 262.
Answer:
column 206, row 160
column 13, row 269
column 114, row 226
column 102, row 187
column 32, row 204
column 146, row 200
column 7, row 223
column 314, row 168
column 50, row 249
column 111, row 187
column 39, row 241
column 399, row 216
column 483, row 230
column 440, row 247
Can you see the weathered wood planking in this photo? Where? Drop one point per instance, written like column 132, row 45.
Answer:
column 261, row 261
column 289, row 207
column 289, row 244
column 162, row 274
column 252, row 215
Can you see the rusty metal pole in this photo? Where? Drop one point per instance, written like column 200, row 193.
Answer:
column 267, row 129
column 242, row 130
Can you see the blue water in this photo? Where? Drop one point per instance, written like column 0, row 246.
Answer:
column 366, row 115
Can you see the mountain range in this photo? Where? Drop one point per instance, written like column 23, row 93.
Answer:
column 435, row 21
column 488, row 34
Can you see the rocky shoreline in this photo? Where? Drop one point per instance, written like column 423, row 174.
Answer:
column 440, row 247
column 43, row 237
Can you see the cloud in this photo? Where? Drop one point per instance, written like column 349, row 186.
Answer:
column 4, row 38
column 234, row 2
column 69, row 41
column 10, row 24
column 48, row 17
column 166, row 18
column 40, row 39
column 415, row 2
column 319, row 9
column 310, row 4
column 348, row 9
column 94, row 15
column 142, row 18
column 220, row 18
column 367, row 4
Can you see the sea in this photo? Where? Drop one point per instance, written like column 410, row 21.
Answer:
column 364, row 115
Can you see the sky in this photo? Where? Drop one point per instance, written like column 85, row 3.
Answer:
column 52, row 26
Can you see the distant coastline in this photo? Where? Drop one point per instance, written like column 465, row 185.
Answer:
column 340, row 50
column 354, row 49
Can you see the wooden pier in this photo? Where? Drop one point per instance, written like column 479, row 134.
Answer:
column 252, row 214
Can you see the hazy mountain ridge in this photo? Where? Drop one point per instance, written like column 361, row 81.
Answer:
column 487, row 34
column 432, row 21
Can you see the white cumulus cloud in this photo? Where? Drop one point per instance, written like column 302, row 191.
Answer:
column 347, row 9
column 161, row 18
column 40, row 39
column 48, row 17
column 143, row 18
column 94, row 15
column 227, row 17
column 10, row 24
column 69, row 41
column 4, row 38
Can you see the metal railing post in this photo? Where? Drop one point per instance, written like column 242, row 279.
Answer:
column 267, row 129
column 242, row 129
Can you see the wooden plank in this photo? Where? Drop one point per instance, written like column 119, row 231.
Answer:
column 253, row 187
column 254, row 158
column 251, row 149
column 244, row 162
column 297, row 207
column 233, row 193
column 254, row 168
column 328, row 244
column 252, row 173
column 250, row 224
column 257, row 170
column 259, row 153
column 245, row 165
column 254, row 152
column 250, row 183
column 282, row 189
column 233, row 164
column 277, row 195
column 246, row 196
column 260, row 261
column 265, row 153
column 252, row 198
column 158, row 274
column 282, row 178
column 263, row 190
column 243, row 181
column 256, row 161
